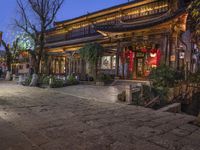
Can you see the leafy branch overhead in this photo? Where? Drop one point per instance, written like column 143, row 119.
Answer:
column 194, row 12
column 91, row 52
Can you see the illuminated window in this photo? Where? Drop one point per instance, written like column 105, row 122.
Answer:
column 108, row 62
column 113, row 62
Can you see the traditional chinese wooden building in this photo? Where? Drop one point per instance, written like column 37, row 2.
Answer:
column 137, row 36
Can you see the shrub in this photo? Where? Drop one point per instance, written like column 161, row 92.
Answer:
column 162, row 76
column 194, row 78
column 40, row 79
column 56, row 83
column 71, row 80
column 104, row 78
column 27, row 81
column 45, row 80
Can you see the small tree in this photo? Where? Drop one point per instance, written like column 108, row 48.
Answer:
column 11, row 53
column 91, row 53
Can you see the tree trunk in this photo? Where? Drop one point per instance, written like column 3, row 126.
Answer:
column 34, row 80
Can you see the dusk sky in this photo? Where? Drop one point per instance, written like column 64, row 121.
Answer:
column 70, row 9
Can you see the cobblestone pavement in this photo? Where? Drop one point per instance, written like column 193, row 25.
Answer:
column 98, row 93
column 43, row 119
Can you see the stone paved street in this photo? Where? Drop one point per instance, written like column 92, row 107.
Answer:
column 46, row 119
column 98, row 93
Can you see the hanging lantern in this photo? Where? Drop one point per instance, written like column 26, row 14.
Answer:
column 155, row 56
column 181, row 54
column 153, row 53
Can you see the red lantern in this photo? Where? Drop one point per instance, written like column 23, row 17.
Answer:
column 154, row 58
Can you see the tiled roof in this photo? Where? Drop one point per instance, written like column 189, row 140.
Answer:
column 114, row 7
column 136, row 26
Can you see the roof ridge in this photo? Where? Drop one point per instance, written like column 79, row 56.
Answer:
column 98, row 11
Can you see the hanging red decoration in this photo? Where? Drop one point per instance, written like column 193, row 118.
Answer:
column 158, row 57
column 143, row 49
column 131, row 61
column 154, row 58
column 153, row 51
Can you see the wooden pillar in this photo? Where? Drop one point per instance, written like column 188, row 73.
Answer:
column 76, row 66
column 49, row 65
column 175, row 33
column 79, row 66
column 66, row 66
column 111, row 62
column 173, row 56
column 72, row 66
column 59, row 64
column 55, row 65
column 167, row 47
column 69, row 65
column 117, row 59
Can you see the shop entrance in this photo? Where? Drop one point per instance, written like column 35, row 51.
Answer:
column 139, row 70
column 137, row 62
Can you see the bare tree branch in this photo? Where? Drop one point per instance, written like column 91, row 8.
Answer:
column 45, row 12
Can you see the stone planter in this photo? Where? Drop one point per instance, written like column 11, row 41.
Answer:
column 99, row 83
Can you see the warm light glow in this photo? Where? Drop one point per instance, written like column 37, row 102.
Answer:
column 144, row 10
column 153, row 54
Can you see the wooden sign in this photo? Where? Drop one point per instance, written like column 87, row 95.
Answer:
column 172, row 58
column 139, row 54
